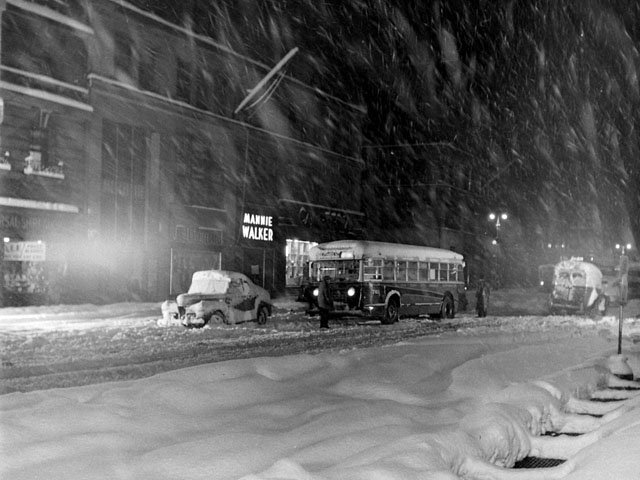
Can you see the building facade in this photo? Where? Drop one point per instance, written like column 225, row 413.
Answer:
column 126, row 165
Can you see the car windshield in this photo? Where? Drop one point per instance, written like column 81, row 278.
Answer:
column 209, row 282
column 236, row 287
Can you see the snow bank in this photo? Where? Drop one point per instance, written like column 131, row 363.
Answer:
column 444, row 408
column 466, row 404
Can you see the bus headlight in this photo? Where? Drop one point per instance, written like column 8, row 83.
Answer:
column 351, row 292
column 315, row 292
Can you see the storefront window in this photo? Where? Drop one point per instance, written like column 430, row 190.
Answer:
column 199, row 172
column 24, row 277
column 184, row 263
column 123, row 181
column 297, row 253
column 28, row 276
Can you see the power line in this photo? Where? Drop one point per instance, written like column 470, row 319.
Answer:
column 405, row 145
column 419, row 144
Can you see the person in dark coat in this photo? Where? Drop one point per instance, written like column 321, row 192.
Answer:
column 325, row 302
column 482, row 298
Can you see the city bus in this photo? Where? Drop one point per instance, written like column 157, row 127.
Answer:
column 387, row 280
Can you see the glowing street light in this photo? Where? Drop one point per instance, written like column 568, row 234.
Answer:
column 496, row 217
column 623, row 248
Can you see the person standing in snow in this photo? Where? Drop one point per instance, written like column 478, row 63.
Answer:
column 482, row 298
column 325, row 302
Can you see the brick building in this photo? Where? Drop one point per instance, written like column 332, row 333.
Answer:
column 124, row 167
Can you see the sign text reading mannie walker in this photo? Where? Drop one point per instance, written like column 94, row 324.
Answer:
column 257, row 227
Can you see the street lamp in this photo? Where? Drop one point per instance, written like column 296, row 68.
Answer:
column 623, row 285
column 623, row 248
column 496, row 217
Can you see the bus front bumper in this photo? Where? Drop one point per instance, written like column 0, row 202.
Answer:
column 374, row 310
column 341, row 309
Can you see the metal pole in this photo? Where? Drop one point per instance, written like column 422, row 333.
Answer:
column 171, row 272
column 623, row 289
column 620, row 332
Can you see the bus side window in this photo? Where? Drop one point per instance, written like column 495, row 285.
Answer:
column 433, row 271
column 453, row 272
column 412, row 271
column 402, row 271
column 423, row 271
column 444, row 272
column 388, row 270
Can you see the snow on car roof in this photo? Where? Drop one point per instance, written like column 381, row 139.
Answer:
column 572, row 264
column 592, row 273
column 213, row 281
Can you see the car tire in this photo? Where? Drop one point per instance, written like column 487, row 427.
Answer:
column 218, row 317
column 599, row 307
column 263, row 314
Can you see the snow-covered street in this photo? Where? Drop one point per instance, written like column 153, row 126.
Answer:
column 466, row 402
column 72, row 345
column 60, row 346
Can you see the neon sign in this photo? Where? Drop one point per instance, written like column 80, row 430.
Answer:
column 257, row 227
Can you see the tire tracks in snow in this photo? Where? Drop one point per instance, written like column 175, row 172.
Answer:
column 150, row 355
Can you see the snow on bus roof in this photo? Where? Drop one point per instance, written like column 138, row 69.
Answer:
column 372, row 249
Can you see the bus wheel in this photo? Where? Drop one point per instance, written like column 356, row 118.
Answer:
column 392, row 313
column 447, row 310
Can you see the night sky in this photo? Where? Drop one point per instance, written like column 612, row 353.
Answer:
column 530, row 106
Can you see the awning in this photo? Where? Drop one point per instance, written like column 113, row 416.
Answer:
column 38, row 205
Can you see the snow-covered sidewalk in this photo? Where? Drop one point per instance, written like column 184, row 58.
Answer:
column 466, row 404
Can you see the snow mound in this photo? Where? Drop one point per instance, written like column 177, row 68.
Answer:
column 488, row 441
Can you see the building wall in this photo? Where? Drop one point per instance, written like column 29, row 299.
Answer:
column 43, row 126
column 156, row 173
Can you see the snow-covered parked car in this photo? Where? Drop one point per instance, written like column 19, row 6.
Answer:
column 219, row 296
column 577, row 288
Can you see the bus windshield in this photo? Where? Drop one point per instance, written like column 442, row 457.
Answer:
column 336, row 269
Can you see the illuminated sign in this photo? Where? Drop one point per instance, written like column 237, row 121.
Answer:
column 25, row 251
column 257, row 227
column 330, row 254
